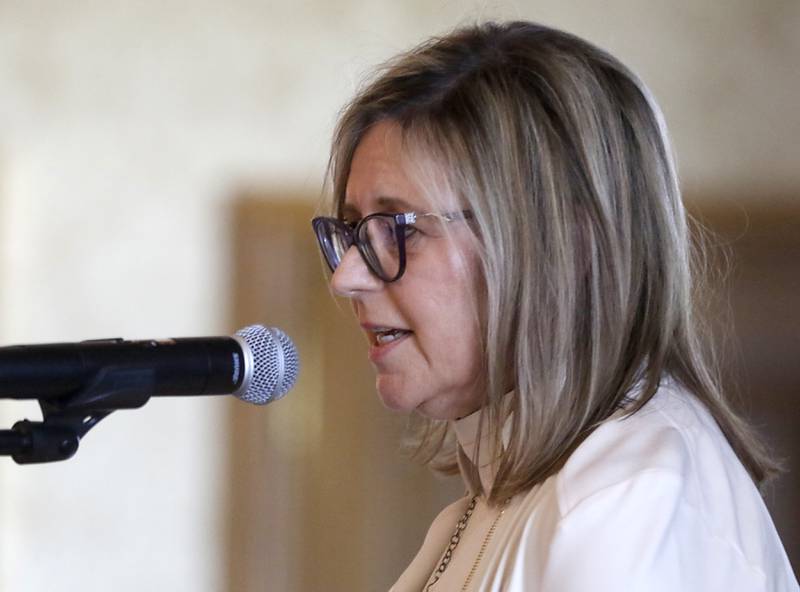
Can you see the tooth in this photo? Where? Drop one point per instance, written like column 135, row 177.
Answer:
column 387, row 337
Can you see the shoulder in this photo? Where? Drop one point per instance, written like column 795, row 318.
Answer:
column 663, row 491
column 662, row 441
column 436, row 540
column 449, row 515
column 441, row 529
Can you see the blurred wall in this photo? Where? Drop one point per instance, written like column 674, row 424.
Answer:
column 126, row 129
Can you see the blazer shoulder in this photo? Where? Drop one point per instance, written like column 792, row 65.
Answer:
column 655, row 440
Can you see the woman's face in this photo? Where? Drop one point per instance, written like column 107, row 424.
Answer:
column 433, row 364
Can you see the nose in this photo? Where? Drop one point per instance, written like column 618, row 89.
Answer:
column 352, row 277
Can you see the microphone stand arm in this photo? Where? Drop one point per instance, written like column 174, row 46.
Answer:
column 66, row 420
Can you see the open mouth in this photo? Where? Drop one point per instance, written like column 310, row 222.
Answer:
column 383, row 336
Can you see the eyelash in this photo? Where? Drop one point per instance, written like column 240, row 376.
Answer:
column 411, row 230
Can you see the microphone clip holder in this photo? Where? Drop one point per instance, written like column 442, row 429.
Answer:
column 65, row 421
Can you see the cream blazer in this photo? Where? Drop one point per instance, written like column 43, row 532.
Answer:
column 656, row 502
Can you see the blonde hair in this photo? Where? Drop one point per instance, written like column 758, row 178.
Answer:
column 563, row 157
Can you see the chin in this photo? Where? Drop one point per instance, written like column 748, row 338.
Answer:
column 392, row 395
column 435, row 410
column 400, row 397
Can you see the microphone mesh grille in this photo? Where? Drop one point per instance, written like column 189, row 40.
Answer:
column 275, row 364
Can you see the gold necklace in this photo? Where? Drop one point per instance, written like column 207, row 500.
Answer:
column 456, row 538
column 484, row 545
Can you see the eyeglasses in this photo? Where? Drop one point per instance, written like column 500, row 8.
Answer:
column 380, row 238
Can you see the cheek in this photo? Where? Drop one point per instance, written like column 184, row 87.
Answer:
column 453, row 318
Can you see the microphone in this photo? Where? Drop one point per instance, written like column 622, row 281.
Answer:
column 258, row 365
column 78, row 384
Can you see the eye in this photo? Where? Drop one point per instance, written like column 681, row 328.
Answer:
column 410, row 231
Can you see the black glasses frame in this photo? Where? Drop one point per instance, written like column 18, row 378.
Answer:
column 352, row 235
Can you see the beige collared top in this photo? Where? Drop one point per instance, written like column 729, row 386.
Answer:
column 654, row 502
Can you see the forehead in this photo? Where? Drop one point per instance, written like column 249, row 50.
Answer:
column 385, row 175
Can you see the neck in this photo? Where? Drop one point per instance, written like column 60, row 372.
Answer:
column 478, row 452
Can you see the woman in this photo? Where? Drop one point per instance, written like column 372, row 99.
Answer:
column 508, row 227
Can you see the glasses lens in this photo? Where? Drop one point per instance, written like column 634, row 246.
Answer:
column 333, row 238
column 379, row 242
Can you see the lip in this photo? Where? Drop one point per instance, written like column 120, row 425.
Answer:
column 372, row 327
column 379, row 352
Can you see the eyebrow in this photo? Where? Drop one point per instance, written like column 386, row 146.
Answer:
column 385, row 202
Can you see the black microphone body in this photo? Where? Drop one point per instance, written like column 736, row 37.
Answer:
column 170, row 367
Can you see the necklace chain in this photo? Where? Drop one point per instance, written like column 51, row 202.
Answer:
column 484, row 546
column 456, row 538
